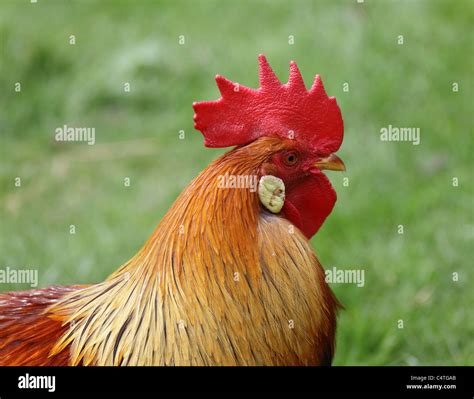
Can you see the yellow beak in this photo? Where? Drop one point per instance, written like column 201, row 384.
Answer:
column 332, row 162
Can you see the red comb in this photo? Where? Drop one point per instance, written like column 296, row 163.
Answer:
column 288, row 110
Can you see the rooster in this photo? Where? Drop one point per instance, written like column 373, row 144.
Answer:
column 228, row 277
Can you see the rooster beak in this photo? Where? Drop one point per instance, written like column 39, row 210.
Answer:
column 332, row 162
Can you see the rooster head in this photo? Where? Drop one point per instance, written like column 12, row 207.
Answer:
column 294, row 133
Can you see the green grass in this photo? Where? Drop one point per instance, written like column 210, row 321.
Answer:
column 408, row 276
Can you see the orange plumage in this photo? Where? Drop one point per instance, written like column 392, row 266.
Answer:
column 221, row 281
column 27, row 333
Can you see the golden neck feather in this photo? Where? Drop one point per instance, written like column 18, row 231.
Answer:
column 208, row 235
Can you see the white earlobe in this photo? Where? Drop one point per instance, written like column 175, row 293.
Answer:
column 271, row 191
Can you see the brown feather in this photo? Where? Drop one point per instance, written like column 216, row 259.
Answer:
column 27, row 331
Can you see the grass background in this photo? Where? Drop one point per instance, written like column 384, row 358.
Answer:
column 408, row 276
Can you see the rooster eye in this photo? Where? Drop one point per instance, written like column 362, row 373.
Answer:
column 290, row 158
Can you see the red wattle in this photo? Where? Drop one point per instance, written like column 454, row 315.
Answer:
column 308, row 203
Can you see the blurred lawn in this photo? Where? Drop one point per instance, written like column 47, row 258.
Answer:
column 408, row 276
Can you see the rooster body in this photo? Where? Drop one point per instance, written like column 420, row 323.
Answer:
column 221, row 281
